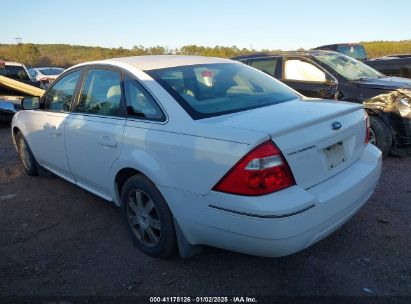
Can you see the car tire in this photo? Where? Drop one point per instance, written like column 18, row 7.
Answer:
column 25, row 155
column 380, row 135
column 148, row 218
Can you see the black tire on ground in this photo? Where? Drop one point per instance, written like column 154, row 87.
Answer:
column 151, row 228
column 25, row 155
column 383, row 136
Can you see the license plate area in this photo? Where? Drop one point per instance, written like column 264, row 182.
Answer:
column 335, row 155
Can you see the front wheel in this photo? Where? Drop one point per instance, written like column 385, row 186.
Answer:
column 380, row 135
column 148, row 218
column 26, row 156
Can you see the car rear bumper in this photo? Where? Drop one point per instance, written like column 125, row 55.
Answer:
column 281, row 223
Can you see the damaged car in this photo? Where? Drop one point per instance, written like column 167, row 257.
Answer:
column 331, row 75
column 202, row 151
column 15, row 83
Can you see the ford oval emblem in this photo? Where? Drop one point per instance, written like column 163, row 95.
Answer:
column 336, row 125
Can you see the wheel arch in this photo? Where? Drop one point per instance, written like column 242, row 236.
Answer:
column 122, row 175
column 120, row 179
column 385, row 119
column 14, row 132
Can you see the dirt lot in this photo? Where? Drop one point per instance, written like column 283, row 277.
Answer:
column 57, row 239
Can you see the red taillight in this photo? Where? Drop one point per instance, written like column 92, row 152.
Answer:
column 367, row 128
column 261, row 171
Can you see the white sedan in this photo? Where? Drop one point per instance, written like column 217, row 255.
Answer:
column 45, row 73
column 202, row 151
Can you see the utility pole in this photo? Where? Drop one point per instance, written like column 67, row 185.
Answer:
column 18, row 40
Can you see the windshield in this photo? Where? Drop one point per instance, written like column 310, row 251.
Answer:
column 348, row 67
column 355, row 51
column 215, row 89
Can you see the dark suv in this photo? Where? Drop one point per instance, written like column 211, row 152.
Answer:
column 331, row 75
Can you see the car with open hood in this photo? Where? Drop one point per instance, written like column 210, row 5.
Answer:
column 202, row 151
column 328, row 74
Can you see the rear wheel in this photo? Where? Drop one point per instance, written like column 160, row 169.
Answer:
column 148, row 218
column 380, row 135
column 26, row 156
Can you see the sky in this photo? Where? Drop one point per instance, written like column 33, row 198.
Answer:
column 259, row 24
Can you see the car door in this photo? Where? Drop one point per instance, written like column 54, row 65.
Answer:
column 308, row 79
column 46, row 137
column 95, row 128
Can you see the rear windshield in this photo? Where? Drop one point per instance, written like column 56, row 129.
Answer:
column 215, row 89
column 355, row 51
column 16, row 72
column 51, row 71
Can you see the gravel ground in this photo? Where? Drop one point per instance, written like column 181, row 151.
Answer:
column 57, row 239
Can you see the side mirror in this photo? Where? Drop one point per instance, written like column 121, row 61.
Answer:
column 30, row 103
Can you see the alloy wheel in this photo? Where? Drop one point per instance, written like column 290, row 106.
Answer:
column 373, row 138
column 143, row 218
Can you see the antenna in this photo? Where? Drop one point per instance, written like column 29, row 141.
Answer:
column 18, row 40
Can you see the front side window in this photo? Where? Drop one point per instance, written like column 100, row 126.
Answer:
column 208, row 90
column 296, row 69
column 348, row 67
column 101, row 93
column 60, row 96
column 266, row 65
column 140, row 104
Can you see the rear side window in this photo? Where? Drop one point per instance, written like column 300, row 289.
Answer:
column 60, row 96
column 140, row 103
column 209, row 90
column 16, row 72
column 303, row 71
column 51, row 71
column 266, row 65
column 101, row 93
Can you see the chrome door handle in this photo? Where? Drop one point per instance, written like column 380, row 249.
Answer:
column 107, row 142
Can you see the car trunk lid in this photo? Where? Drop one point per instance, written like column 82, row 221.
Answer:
column 318, row 138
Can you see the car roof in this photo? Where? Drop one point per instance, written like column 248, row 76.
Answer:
column 283, row 53
column 12, row 63
column 153, row 62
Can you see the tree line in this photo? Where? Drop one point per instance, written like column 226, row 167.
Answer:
column 64, row 55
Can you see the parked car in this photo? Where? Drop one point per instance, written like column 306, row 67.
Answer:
column 394, row 65
column 10, row 98
column 327, row 74
column 47, row 75
column 8, row 107
column 354, row 50
column 202, row 151
column 17, row 71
